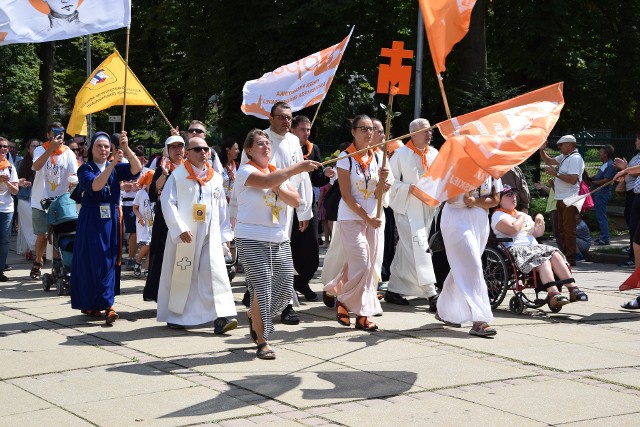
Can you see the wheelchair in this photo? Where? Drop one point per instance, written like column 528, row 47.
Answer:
column 501, row 275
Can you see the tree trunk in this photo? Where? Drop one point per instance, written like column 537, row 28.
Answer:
column 47, row 54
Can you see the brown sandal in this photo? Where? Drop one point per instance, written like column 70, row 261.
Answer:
column 342, row 316
column 576, row 295
column 362, row 322
column 110, row 315
column 35, row 273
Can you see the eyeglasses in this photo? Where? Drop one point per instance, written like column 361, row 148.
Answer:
column 283, row 117
column 4, row 146
column 195, row 130
column 263, row 144
column 365, row 128
column 199, row 149
column 176, row 146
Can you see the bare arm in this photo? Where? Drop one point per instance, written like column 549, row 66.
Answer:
column 53, row 146
column 510, row 227
column 288, row 195
column 277, row 177
column 549, row 161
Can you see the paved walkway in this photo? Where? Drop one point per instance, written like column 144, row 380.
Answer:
column 578, row 367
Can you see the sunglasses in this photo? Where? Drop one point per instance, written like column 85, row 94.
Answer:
column 199, row 149
column 4, row 146
column 194, row 130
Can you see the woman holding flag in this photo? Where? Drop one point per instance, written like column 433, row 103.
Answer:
column 465, row 230
column 359, row 177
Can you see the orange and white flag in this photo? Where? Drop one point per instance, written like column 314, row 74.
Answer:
column 489, row 142
column 300, row 84
column 446, row 22
column 35, row 21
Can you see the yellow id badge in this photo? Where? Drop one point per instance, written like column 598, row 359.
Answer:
column 275, row 215
column 199, row 212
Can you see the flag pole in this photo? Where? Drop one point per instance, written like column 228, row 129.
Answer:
column 444, row 96
column 316, row 114
column 380, row 190
column 126, row 72
column 328, row 162
column 163, row 116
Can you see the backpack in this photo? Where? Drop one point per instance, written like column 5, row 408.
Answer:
column 333, row 196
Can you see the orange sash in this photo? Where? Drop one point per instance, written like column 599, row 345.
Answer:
column 192, row 174
column 5, row 164
column 270, row 167
column 422, row 154
column 363, row 165
column 231, row 168
column 59, row 151
column 513, row 212
column 309, row 149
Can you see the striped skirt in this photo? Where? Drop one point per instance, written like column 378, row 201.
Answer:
column 268, row 270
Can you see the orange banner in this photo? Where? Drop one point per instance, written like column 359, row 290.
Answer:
column 446, row 22
column 633, row 282
column 490, row 141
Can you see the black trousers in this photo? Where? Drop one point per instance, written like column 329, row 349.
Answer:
column 305, row 251
column 156, row 254
column 390, row 241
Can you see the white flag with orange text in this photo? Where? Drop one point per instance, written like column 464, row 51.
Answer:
column 35, row 21
column 446, row 22
column 489, row 142
column 300, row 84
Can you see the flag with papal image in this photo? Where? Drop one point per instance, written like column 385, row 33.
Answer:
column 104, row 89
column 35, row 21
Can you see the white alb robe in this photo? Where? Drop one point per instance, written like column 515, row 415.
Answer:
column 209, row 293
column 412, row 269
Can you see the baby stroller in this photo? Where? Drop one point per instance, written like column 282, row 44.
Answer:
column 62, row 218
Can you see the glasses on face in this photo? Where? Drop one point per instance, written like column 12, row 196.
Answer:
column 283, row 117
column 199, row 149
column 196, row 130
column 365, row 128
column 263, row 144
column 6, row 147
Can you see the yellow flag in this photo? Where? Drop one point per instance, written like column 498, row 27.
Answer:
column 104, row 89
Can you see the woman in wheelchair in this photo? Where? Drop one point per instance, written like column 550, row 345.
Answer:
column 529, row 255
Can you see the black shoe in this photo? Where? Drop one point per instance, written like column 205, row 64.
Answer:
column 394, row 298
column 433, row 303
column 3, row 278
column 309, row 295
column 222, row 325
column 328, row 300
column 289, row 317
column 7, row 267
column 246, row 299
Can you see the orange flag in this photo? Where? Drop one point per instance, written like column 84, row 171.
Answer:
column 633, row 282
column 489, row 142
column 446, row 22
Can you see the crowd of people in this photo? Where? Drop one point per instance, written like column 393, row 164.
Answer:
column 191, row 208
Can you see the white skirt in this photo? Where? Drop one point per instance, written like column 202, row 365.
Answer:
column 464, row 297
column 26, row 239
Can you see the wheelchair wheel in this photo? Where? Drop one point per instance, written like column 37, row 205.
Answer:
column 496, row 275
column 47, row 281
column 516, row 305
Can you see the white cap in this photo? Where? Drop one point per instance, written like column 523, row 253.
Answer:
column 172, row 139
column 567, row 138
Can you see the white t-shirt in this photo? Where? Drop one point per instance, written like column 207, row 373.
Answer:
column 6, row 200
column 523, row 238
column 256, row 208
column 363, row 190
column 53, row 179
column 141, row 200
column 571, row 164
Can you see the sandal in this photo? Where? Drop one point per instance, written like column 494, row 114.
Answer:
column 35, row 273
column 110, row 315
column 342, row 315
column 362, row 322
column 482, row 329
column 556, row 301
column 575, row 295
column 254, row 334
column 92, row 313
column 265, row 354
column 451, row 324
